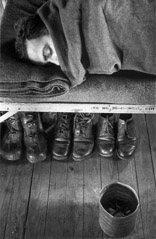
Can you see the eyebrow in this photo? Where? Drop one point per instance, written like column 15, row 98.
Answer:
column 45, row 57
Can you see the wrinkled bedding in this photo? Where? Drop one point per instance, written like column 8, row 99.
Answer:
column 26, row 82
column 102, row 36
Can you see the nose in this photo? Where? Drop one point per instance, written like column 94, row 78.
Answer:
column 56, row 62
column 54, row 59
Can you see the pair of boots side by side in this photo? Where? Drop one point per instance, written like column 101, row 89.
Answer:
column 11, row 146
column 73, row 133
column 23, row 133
column 117, row 136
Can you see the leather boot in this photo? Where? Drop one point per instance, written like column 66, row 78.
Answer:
column 49, row 120
column 34, row 139
column 11, row 147
column 105, row 137
column 62, row 139
column 83, row 141
column 126, row 137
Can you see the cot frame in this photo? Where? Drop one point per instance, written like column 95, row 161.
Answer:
column 11, row 108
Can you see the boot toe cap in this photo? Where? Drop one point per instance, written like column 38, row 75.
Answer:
column 82, row 150
column 35, row 155
column 126, row 151
column 60, row 150
column 106, row 148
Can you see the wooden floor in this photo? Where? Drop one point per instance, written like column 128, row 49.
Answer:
column 54, row 200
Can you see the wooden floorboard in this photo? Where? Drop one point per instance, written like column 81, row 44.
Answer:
column 7, row 173
column 146, row 179
column 74, row 201
column 92, row 188
column 59, row 200
column 37, row 212
column 19, row 201
column 56, row 202
column 151, row 130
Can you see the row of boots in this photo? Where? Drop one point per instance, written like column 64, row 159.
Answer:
column 23, row 129
column 76, row 133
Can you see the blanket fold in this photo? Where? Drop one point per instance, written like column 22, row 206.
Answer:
column 24, row 79
column 118, row 34
column 97, row 37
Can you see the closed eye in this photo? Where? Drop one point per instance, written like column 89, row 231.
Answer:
column 47, row 52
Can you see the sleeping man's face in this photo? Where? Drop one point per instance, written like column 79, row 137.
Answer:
column 41, row 50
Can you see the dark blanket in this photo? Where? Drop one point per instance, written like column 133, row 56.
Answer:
column 18, row 78
column 102, row 36
column 25, row 82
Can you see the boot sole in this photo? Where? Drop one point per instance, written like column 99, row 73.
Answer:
column 82, row 158
column 106, row 156
column 59, row 158
column 125, row 158
column 10, row 157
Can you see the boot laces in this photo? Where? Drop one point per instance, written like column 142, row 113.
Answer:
column 64, row 124
column 108, row 126
column 81, row 122
column 12, row 131
column 123, row 129
column 32, row 131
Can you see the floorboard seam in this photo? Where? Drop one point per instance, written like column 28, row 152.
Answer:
column 66, row 188
column 139, row 197
column 150, row 149
column 9, row 206
column 51, row 164
column 27, row 210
